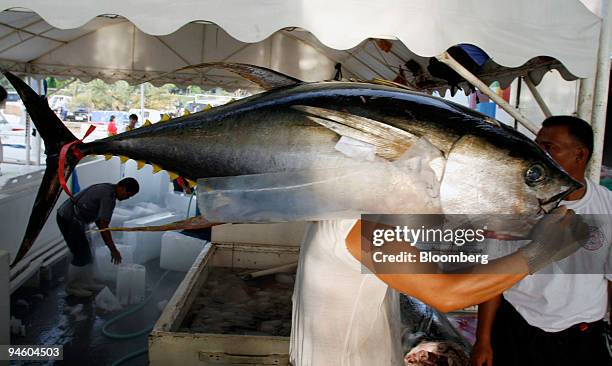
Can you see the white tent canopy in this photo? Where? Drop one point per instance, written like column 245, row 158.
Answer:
column 148, row 40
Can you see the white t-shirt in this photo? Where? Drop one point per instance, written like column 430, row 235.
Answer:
column 554, row 300
column 341, row 316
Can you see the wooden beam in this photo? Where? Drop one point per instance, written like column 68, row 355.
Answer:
column 472, row 79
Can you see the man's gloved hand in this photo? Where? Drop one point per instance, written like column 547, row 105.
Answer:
column 556, row 236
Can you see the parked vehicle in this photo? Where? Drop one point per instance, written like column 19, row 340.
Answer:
column 78, row 115
column 57, row 102
column 152, row 115
column 13, row 105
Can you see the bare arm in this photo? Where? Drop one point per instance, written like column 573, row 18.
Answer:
column 482, row 353
column 108, row 240
column 448, row 292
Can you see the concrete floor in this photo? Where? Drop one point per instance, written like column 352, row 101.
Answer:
column 48, row 321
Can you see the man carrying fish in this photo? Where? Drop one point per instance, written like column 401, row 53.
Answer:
column 557, row 319
column 94, row 204
column 341, row 316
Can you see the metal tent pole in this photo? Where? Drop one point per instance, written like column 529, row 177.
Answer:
column 28, row 131
column 472, row 79
column 142, row 103
column 538, row 97
column 600, row 96
column 517, row 96
column 5, row 301
column 584, row 109
column 38, row 138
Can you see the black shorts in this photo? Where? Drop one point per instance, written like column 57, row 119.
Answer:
column 74, row 235
column 517, row 343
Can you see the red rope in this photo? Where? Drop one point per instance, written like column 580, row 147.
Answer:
column 76, row 153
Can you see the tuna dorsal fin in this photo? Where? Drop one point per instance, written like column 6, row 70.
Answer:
column 264, row 77
column 379, row 81
column 390, row 142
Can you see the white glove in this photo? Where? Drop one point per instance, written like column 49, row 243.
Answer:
column 556, row 236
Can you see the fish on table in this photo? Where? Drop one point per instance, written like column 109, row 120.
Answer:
column 294, row 125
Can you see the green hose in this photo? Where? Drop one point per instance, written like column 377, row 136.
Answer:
column 193, row 192
column 135, row 334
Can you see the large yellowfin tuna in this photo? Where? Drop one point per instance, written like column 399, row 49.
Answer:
column 295, row 126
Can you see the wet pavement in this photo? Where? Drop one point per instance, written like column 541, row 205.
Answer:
column 45, row 311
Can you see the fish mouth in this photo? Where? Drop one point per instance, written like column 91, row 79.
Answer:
column 550, row 204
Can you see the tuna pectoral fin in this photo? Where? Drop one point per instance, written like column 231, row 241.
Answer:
column 265, row 78
column 390, row 142
column 48, row 193
column 193, row 223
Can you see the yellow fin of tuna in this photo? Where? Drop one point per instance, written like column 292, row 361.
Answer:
column 208, row 106
column 165, row 118
column 191, row 183
column 172, row 175
column 390, row 142
column 108, row 156
column 147, row 123
column 123, row 159
column 186, row 113
column 156, row 168
column 140, row 164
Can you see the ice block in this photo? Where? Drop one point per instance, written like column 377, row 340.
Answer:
column 105, row 269
column 131, row 281
column 179, row 202
column 93, row 236
column 178, row 251
column 147, row 245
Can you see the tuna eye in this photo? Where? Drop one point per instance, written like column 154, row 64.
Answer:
column 534, row 174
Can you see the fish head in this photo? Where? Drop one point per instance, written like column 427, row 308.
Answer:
column 502, row 172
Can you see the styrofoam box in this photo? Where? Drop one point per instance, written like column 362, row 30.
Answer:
column 147, row 245
column 178, row 251
column 168, row 339
column 105, row 269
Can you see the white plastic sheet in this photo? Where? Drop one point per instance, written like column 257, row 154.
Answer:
column 409, row 184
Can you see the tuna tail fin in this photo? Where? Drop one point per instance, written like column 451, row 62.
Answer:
column 55, row 135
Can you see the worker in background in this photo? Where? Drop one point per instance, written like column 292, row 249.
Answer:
column 94, row 204
column 133, row 121
column 557, row 319
column 112, row 126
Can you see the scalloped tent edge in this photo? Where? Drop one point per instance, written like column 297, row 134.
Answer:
column 511, row 33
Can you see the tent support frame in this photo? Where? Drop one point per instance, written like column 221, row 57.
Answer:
column 473, row 79
column 538, row 97
column 600, row 95
column 584, row 109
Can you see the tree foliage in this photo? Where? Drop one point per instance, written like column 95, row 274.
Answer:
column 120, row 96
